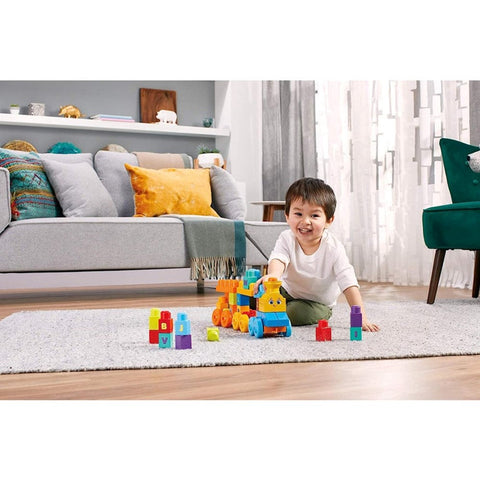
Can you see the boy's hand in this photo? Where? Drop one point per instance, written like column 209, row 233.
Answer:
column 369, row 327
column 260, row 281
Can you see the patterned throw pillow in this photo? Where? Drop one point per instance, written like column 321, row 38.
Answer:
column 32, row 194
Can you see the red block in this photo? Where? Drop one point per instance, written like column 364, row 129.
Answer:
column 323, row 323
column 323, row 334
column 153, row 336
column 165, row 323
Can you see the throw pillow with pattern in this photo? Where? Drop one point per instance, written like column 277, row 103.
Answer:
column 32, row 195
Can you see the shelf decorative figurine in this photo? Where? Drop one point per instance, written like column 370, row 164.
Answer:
column 36, row 109
column 70, row 111
column 167, row 116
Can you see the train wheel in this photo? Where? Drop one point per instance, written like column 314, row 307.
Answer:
column 236, row 320
column 216, row 317
column 244, row 320
column 289, row 331
column 226, row 319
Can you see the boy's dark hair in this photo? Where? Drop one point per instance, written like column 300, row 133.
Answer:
column 312, row 190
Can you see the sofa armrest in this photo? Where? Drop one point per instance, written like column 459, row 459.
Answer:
column 5, row 212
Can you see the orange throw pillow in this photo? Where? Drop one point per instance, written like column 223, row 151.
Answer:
column 181, row 191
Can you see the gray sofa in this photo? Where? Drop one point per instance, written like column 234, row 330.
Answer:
column 113, row 243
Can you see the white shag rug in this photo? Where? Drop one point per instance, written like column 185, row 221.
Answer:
column 105, row 339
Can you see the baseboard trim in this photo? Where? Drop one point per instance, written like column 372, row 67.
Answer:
column 43, row 280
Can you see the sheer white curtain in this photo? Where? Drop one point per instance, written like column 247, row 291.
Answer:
column 377, row 144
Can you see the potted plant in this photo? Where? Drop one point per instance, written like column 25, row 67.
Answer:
column 207, row 156
column 14, row 109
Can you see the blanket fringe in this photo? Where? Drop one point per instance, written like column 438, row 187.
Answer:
column 214, row 268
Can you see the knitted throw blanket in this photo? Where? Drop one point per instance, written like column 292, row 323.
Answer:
column 216, row 246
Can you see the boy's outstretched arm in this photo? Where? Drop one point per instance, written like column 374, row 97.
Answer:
column 353, row 296
column 275, row 269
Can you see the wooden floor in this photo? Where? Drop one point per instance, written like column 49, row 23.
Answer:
column 420, row 378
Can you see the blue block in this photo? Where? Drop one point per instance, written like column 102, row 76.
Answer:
column 274, row 319
column 182, row 325
column 251, row 276
column 242, row 300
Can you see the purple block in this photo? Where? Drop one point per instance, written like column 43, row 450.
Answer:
column 183, row 342
column 355, row 316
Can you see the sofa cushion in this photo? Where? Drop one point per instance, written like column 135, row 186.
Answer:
column 110, row 168
column 171, row 191
column 79, row 190
column 227, row 199
column 68, row 157
column 163, row 160
column 32, row 195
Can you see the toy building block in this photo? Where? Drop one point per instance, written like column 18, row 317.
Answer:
column 272, row 300
column 227, row 286
column 165, row 340
column 356, row 333
column 182, row 325
column 213, row 334
column 153, row 319
column 251, row 276
column 183, row 342
column 153, row 325
column 165, row 323
column 153, row 336
column 323, row 333
column 355, row 316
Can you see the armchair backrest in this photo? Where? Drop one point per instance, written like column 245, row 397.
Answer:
column 463, row 183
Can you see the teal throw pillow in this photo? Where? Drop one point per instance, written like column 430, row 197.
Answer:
column 32, row 195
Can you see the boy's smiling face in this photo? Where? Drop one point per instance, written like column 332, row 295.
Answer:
column 307, row 221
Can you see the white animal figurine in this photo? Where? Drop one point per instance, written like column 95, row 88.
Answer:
column 474, row 161
column 167, row 116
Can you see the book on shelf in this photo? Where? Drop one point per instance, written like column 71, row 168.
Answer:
column 112, row 118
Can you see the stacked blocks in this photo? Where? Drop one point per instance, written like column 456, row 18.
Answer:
column 355, row 323
column 153, row 325
column 323, row 333
column 165, row 329
column 183, row 337
column 161, row 326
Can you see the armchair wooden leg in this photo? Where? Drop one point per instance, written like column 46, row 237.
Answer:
column 476, row 275
column 435, row 278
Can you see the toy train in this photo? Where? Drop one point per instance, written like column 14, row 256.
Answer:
column 260, row 314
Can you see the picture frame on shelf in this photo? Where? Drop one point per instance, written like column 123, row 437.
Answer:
column 153, row 100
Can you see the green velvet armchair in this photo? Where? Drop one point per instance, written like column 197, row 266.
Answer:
column 456, row 225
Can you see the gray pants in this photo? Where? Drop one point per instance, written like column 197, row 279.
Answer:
column 305, row 312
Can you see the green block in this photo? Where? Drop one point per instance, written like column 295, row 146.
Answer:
column 356, row 333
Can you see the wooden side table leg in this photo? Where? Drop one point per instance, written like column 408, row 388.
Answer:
column 268, row 213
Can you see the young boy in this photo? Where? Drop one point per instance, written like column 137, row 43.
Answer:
column 310, row 261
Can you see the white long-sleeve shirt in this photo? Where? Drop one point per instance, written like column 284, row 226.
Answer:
column 321, row 276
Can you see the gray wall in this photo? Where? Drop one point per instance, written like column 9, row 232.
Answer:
column 195, row 100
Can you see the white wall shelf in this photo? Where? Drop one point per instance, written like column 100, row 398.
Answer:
column 111, row 126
